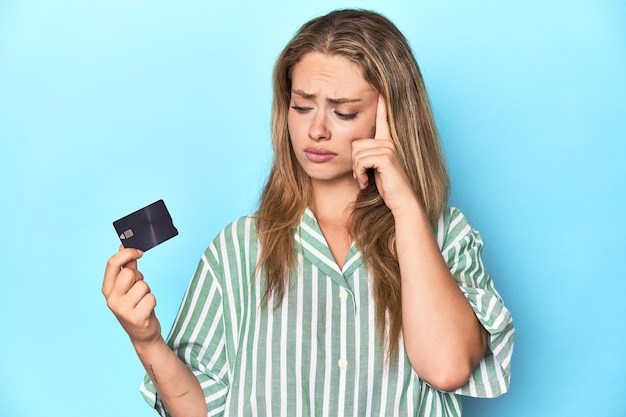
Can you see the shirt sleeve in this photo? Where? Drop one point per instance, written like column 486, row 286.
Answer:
column 461, row 247
column 197, row 337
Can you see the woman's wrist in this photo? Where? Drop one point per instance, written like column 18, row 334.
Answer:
column 408, row 209
column 149, row 347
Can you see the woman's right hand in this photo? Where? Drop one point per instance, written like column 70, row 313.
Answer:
column 129, row 297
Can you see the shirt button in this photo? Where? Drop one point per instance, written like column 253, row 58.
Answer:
column 343, row 363
column 343, row 294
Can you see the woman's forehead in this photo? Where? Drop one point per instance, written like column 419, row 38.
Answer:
column 334, row 76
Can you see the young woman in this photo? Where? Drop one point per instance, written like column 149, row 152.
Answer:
column 354, row 290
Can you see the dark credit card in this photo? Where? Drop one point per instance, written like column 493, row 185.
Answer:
column 146, row 227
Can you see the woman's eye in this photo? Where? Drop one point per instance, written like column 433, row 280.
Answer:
column 346, row 116
column 300, row 109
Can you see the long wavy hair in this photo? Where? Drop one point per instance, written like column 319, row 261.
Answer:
column 386, row 61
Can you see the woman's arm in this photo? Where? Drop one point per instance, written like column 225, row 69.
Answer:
column 177, row 386
column 129, row 298
column 443, row 337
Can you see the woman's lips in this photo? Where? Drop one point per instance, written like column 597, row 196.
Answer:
column 319, row 154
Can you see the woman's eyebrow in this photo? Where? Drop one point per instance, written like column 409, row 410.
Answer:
column 302, row 94
column 308, row 96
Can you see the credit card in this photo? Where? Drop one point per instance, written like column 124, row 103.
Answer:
column 146, row 227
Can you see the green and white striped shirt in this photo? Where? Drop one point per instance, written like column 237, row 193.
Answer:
column 319, row 353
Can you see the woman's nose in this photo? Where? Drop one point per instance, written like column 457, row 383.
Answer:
column 319, row 127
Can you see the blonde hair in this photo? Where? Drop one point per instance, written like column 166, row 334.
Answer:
column 381, row 51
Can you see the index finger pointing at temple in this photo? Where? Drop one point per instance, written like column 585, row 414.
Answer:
column 382, row 123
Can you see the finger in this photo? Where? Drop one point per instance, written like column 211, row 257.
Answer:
column 133, row 262
column 370, row 154
column 364, row 168
column 360, row 175
column 123, row 283
column 124, row 258
column 146, row 305
column 139, row 314
column 382, row 123
column 126, row 293
column 130, row 265
column 137, row 292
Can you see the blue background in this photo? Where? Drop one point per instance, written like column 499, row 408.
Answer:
column 108, row 106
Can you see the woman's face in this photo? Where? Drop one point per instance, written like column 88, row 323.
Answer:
column 331, row 106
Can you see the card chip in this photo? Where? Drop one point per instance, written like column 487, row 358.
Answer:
column 129, row 233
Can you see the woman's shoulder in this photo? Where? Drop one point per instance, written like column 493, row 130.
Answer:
column 450, row 214
column 237, row 231
column 240, row 227
column 237, row 237
column 452, row 225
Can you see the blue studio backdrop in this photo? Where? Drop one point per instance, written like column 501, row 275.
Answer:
column 108, row 106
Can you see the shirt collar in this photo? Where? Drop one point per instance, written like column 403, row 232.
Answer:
column 310, row 241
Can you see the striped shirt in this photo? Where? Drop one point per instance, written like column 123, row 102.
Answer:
column 319, row 353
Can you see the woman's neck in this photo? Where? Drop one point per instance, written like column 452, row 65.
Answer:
column 332, row 203
column 332, row 206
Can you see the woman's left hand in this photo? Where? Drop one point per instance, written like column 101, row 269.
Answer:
column 380, row 154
